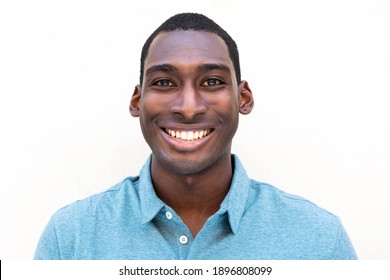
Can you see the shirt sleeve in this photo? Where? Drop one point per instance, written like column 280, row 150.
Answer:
column 48, row 248
column 343, row 248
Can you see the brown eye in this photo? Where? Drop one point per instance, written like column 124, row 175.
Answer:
column 164, row 83
column 212, row 82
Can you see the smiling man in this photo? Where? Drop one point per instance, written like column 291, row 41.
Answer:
column 192, row 199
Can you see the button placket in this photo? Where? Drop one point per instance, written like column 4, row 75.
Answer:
column 168, row 215
column 183, row 239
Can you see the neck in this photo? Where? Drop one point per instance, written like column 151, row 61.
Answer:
column 194, row 197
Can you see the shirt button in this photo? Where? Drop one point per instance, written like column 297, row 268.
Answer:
column 168, row 215
column 183, row 239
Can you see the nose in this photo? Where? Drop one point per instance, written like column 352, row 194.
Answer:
column 189, row 103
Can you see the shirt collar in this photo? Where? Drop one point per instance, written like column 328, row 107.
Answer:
column 234, row 202
column 150, row 203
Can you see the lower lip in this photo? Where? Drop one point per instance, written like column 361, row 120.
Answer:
column 185, row 144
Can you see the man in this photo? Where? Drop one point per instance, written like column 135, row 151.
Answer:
column 192, row 199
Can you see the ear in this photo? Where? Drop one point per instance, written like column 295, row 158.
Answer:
column 134, row 101
column 246, row 98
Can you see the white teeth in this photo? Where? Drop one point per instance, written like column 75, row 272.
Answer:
column 188, row 135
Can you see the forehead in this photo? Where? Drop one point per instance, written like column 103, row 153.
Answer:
column 185, row 48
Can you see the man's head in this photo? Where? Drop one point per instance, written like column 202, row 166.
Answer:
column 189, row 100
column 195, row 22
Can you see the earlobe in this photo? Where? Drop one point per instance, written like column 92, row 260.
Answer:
column 134, row 101
column 246, row 98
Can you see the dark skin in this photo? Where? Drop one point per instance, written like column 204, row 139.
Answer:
column 189, row 105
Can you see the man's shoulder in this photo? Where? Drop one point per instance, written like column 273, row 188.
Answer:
column 294, row 222
column 286, row 204
column 76, row 226
column 106, row 199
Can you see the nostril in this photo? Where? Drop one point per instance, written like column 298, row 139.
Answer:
column 188, row 104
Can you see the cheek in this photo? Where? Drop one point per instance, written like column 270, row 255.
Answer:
column 227, row 108
column 150, row 109
column 146, row 112
column 152, row 104
column 147, row 108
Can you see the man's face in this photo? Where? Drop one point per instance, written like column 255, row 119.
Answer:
column 189, row 101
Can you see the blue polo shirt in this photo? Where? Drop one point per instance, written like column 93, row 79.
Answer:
column 255, row 221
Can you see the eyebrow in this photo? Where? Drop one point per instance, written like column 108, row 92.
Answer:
column 169, row 68
column 214, row 66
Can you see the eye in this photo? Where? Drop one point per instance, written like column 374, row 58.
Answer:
column 163, row 83
column 212, row 82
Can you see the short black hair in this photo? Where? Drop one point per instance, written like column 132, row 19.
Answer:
column 195, row 22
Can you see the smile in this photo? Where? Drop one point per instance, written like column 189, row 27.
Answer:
column 188, row 135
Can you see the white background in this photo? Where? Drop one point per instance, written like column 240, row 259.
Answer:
column 319, row 71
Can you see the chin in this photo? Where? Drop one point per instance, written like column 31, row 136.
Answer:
column 183, row 165
column 189, row 164
column 186, row 165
